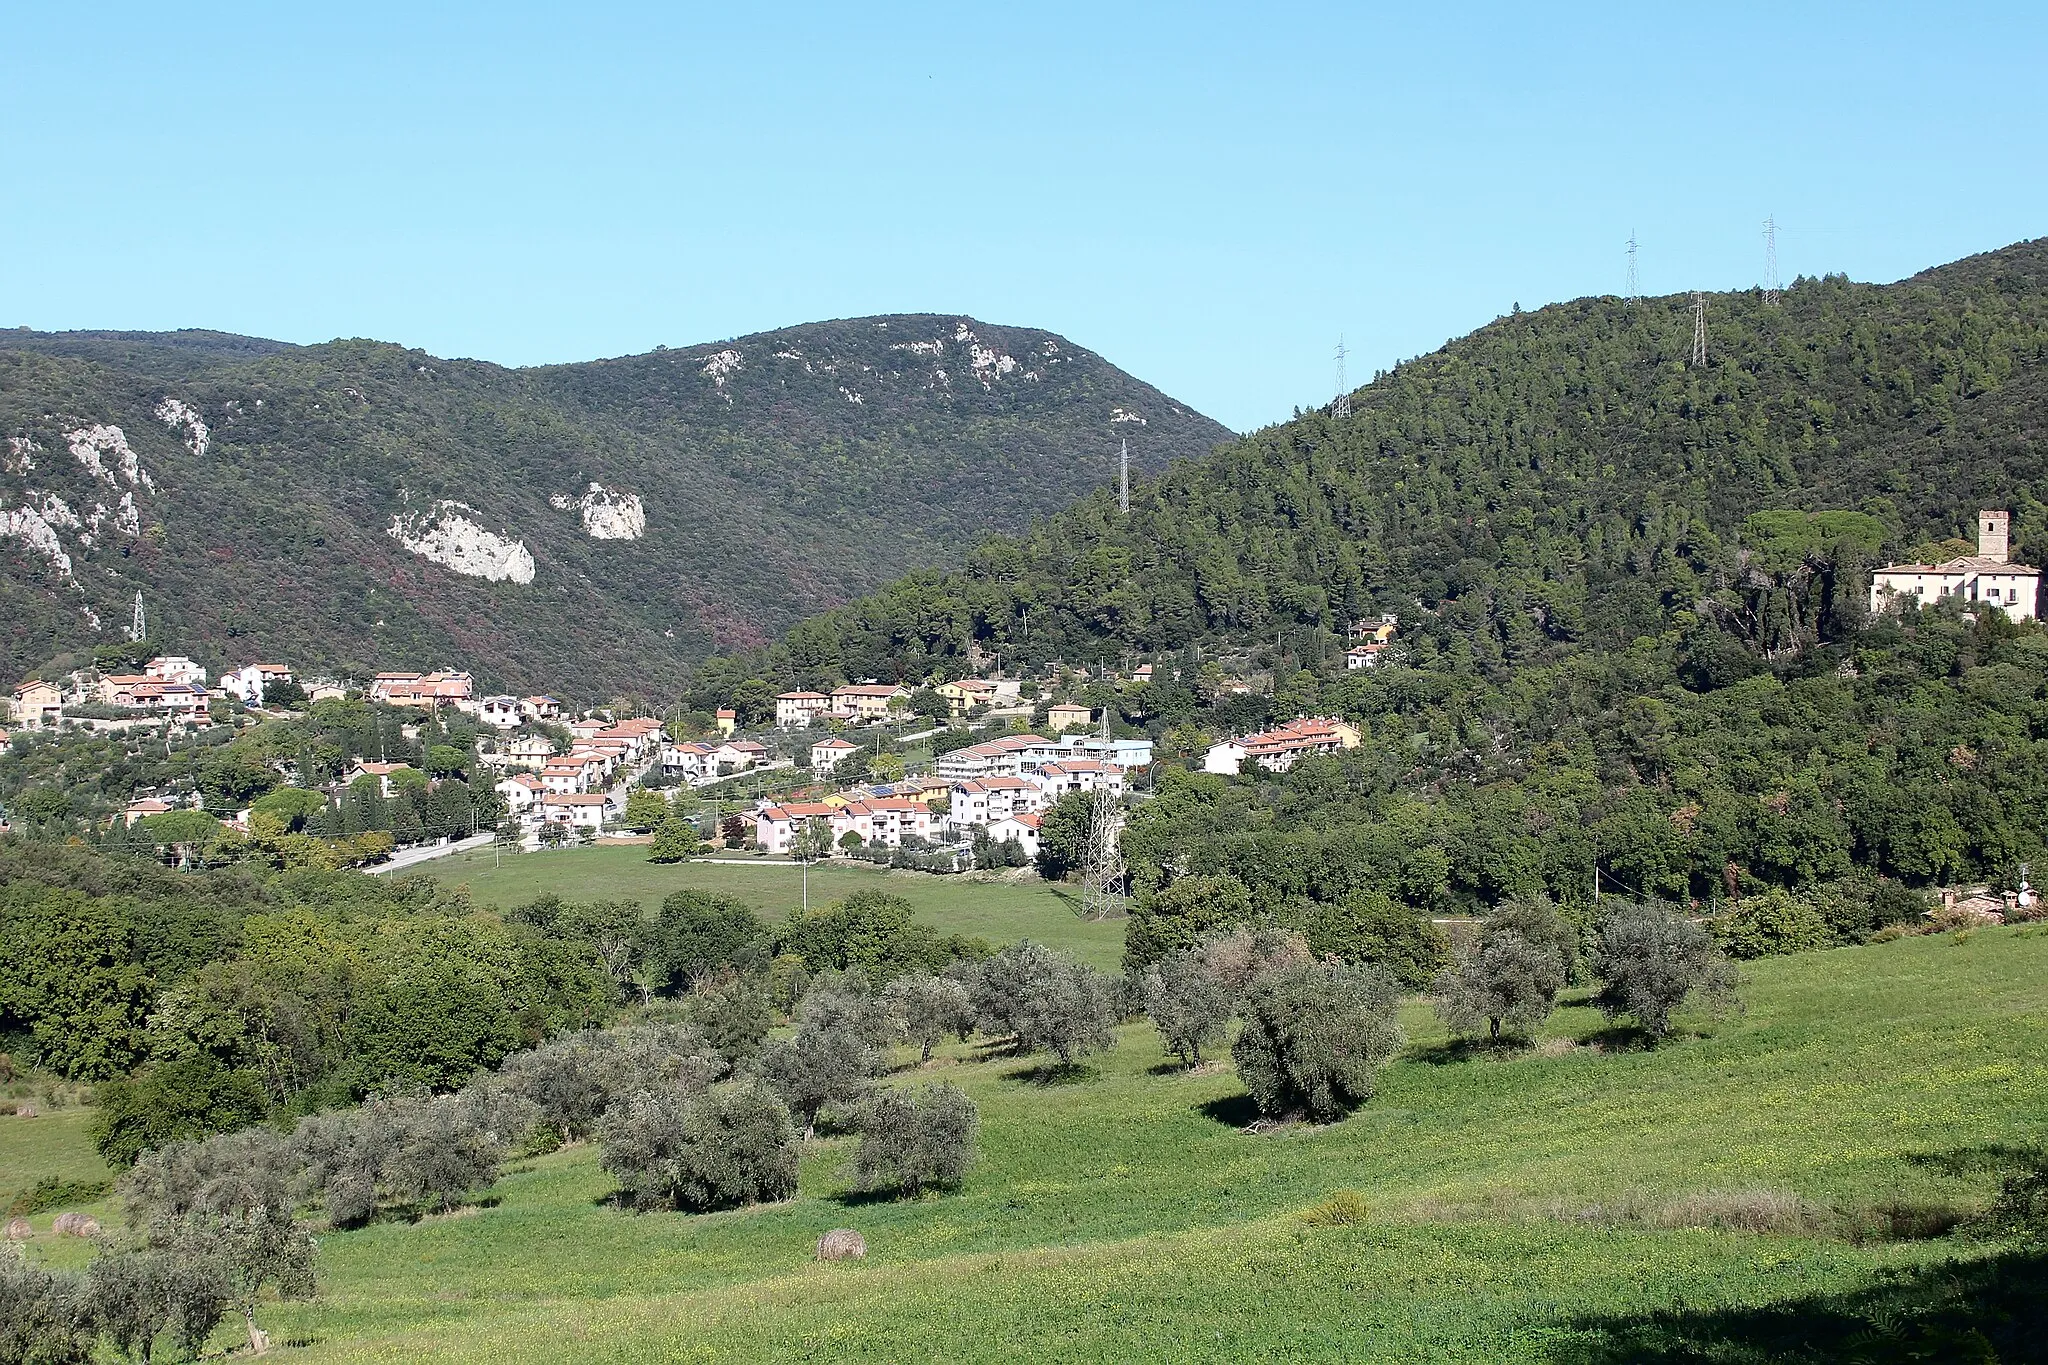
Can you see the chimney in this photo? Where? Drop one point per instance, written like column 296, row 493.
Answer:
column 1991, row 537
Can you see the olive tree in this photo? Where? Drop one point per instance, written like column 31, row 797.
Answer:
column 917, row 1138
column 1047, row 1002
column 1186, row 1002
column 1511, row 974
column 732, row 1144
column 1652, row 960
column 927, row 1009
column 1315, row 1037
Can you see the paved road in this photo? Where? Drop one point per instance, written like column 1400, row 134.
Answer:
column 405, row 858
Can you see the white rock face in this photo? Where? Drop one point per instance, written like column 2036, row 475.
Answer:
column 608, row 514
column 37, row 524
column 444, row 535
column 930, row 348
column 1119, row 415
column 721, row 366
column 20, row 456
column 177, row 414
column 850, row 396
column 94, row 446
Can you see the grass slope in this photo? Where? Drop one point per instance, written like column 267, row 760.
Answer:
column 1001, row 912
column 1126, row 1214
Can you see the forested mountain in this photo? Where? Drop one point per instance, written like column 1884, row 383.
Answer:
column 1634, row 650
column 1557, row 479
column 587, row 528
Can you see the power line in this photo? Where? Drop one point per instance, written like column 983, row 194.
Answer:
column 1771, row 261
column 1342, row 407
column 1634, row 291
column 1699, row 328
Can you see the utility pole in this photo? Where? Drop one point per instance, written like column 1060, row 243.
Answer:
column 1699, row 329
column 1342, row 407
column 1123, row 479
column 1634, row 290
column 1102, row 873
column 138, row 628
column 1771, row 261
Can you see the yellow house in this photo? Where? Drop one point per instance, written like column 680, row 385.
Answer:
column 37, row 703
column 966, row 694
column 728, row 720
column 1067, row 715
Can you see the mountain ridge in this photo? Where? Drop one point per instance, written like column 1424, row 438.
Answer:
column 309, row 501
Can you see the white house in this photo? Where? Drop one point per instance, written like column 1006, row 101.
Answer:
column 246, row 683
column 1078, row 775
column 985, row 800
column 175, row 668
column 1127, row 754
column 1280, row 748
column 799, row 709
column 522, row 791
column 578, row 810
column 500, row 712
column 829, row 754
column 1023, row 827
column 1987, row 578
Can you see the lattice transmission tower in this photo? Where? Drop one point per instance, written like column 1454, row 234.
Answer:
column 1771, row 260
column 1699, row 328
column 1342, row 407
column 1634, row 290
column 1103, row 873
column 1123, row 478
column 138, row 626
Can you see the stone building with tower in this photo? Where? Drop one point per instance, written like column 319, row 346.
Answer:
column 1988, row 578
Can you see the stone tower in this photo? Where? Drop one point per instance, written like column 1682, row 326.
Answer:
column 1991, row 537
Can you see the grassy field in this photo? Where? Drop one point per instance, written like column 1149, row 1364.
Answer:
column 999, row 911
column 1519, row 1205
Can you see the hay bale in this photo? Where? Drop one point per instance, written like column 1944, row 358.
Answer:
column 26, row 1110
column 842, row 1244
column 76, row 1225
column 20, row 1230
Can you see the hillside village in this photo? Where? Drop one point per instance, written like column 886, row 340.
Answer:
column 538, row 772
column 999, row 751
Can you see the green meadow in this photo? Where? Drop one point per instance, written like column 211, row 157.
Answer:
column 999, row 911
column 1555, row 1203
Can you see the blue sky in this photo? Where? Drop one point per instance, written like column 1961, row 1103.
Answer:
column 1207, row 194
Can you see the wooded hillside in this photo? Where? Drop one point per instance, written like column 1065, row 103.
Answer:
column 660, row 504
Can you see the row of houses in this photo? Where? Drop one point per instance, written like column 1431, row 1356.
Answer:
column 1006, row 805
column 1011, row 755
column 1282, row 747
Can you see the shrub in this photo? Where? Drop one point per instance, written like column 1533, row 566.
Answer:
column 731, row 1145
column 928, row 1009
column 1047, row 1002
column 1372, row 927
column 1652, row 960
column 1772, row 923
column 1343, row 1208
column 1315, row 1037
column 51, row 1191
column 917, row 1138
column 1186, row 1003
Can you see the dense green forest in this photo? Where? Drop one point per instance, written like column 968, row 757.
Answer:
column 1631, row 595
column 776, row 474
column 1557, row 480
